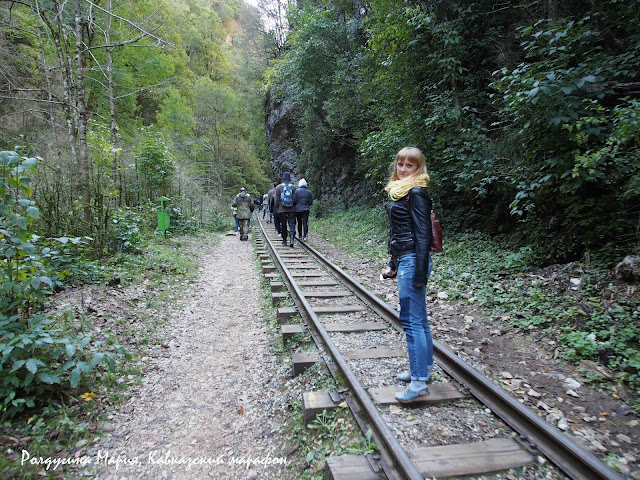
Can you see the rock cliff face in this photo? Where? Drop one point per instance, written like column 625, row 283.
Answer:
column 336, row 180
column 281, row 134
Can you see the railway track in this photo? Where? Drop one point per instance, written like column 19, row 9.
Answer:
column 358, row 335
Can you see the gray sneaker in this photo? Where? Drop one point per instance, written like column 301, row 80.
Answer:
column 410, row 395
column 406, row 377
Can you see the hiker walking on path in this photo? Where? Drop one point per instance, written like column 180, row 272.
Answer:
column 245, row 206
column 286, row 209
column 409, row 245
column 272, row 207
column 266, row 211
column 302, row 199
column 235, row 217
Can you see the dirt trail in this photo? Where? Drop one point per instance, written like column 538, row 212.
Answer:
column 206, row 397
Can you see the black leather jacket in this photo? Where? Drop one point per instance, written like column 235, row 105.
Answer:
column 410, row 230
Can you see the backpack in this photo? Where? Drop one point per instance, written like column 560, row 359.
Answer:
column 286, row 197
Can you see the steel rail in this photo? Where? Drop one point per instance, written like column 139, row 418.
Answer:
column 576, row 462
column 404, row 463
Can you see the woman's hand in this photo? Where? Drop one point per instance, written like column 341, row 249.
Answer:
column 389, row 273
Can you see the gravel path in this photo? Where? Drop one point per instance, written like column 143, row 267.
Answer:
column 223, row 394
column 204, row 398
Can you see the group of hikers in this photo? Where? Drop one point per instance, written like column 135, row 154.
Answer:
column 409, row 247
column 285, row 205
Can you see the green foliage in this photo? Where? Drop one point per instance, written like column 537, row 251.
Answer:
column 154, row 165
column 359, row 230
column 126, row 232
column 182, row 224
column 175, row 116
column 219, row 222
column 523, row 118
column 37, row 352
column 579, row 345
column 332, row 433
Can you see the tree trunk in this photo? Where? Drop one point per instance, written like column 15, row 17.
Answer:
column 47, row 78
column 82, row 115
column 112, row 106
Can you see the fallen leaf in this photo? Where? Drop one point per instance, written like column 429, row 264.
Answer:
column 240, row 410
column 165, row 345
column 395, row 409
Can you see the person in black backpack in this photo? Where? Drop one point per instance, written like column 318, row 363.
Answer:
column 286, row 209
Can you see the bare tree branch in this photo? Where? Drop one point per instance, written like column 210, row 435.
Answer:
column 129, row 22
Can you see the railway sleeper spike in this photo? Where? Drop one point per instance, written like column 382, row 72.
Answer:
column 374, row 462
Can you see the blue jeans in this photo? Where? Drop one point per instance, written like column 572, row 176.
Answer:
column 414, row 319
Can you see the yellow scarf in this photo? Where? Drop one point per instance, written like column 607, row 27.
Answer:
column 400, row 188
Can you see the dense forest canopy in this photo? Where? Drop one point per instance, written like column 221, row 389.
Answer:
column 527, row 111
column 127, row 101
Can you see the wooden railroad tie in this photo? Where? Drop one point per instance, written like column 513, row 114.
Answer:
column 367, row 353
column 315, row 402
column 330, row 294
column 355, row 327
column 276, row 286
column 289, row 331
column 277, row 296
column 439, row 392
column 284, row 313
column 339, row 309
column 268, row 268
column 317, row 283
column 302, row 361
column 446, row 461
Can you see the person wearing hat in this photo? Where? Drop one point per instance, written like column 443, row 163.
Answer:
column 302, row 199
column 286, row 208
column 245, row 206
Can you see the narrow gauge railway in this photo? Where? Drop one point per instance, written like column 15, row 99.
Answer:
column 360, row 339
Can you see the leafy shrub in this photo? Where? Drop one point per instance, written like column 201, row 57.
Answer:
column 218, row 222
column 38, row 354
column 181, row 223
column 36, row 351
column 579, row 345
column 520, row 261
column 125, row 234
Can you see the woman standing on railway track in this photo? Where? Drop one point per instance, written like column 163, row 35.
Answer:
column 409, row 246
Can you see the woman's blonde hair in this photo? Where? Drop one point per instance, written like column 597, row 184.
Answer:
column 414, row 155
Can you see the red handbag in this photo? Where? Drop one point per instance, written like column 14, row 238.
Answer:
column 436, row 234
